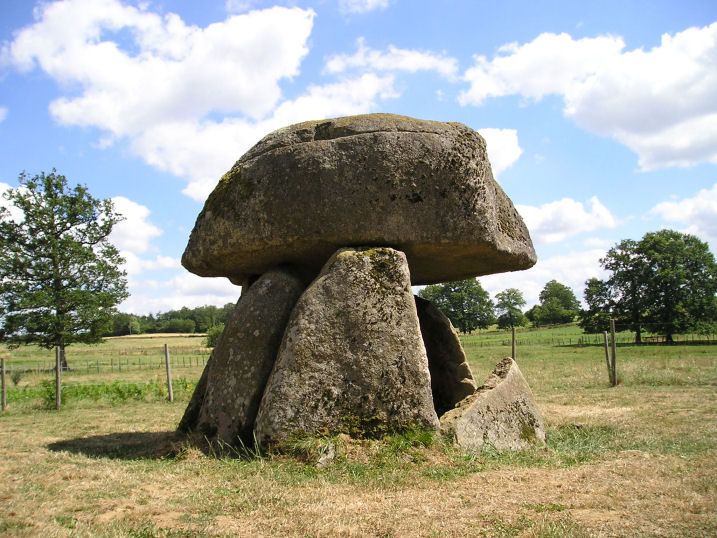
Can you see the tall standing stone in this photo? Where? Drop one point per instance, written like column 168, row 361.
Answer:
column 352, row 358
column 243, row 358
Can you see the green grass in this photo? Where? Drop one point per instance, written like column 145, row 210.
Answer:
column 110, row 463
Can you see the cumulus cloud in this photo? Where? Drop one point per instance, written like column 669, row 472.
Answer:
column 168, row 80
column 394, row 59
column 186, row 290
column 571, row 269
column 658, row 102
column 164, row 90
column 135, row 233
column 178, row 72
column 203, row 151
column 555, row 221
column 503, row 148
column 362, row 6
column 698, row 214
column 3, row 113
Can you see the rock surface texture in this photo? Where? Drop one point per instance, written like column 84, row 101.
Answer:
column 502, row 413
column 225, row 403
column 451, row 377
column 352, row 357
column 303, row 192
column 362, row 208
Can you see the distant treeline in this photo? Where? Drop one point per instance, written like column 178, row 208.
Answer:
column 185, row 320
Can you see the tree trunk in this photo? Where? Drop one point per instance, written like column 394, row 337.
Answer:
column 63, row 358
column 638, row 335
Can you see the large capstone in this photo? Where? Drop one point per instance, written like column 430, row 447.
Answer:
column 352, row 358
column 502, row 413
column 303, row 192
column 451, row 377
column 227, row 397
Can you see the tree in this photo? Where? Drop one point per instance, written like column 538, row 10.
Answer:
column 667, row 280
column 59, row 275
column 558, row 304
column 681, row 281
column 213, row 335
column 508, row 305
column 465, row 303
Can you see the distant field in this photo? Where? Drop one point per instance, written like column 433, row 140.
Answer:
column 639, row 459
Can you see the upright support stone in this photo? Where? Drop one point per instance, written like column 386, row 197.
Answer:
column 451, row 377
column 243, row 358
column 352, row 358
column 502, row 413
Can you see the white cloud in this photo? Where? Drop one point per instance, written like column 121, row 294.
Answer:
column 362, row 6
column 163, row 87
column 394, row 59
column 555, row 221
column 135, row 233
column 698, row 214
column 503, row 148
column 186, row 290
column 204, row 151
column 164, row 90
column 571, row 269
column 3, row 113
column 659, row 103
column 178, row 72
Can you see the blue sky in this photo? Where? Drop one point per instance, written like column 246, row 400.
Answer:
column 600, row 117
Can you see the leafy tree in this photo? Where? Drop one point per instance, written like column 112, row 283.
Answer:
column 558, row 304
column 59, row 275
column 681, row 283
column 667, row 280
column 508, row 305
column 596, row 318
column 123, row 324
column 465, row 303
column 213, row 335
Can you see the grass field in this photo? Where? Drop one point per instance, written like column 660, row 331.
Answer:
column 639, row 459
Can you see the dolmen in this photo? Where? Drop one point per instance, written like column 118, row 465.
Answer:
column 326, row 225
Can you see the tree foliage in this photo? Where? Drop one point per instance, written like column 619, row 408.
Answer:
column 508, row 304
column 465, row 303
column 199, row 319
column 666, row 281
column 60, row 275
column 558, row 304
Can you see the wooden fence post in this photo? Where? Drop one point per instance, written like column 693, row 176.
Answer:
column 58, row 375
column 613, row 372
column 607, row 356
column 169, row 373
column 2, row 374
column 513, row 344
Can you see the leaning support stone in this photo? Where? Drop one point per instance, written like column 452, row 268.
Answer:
column 451, row 377
column 502, row 413
column 243, row 358
column 352, row 358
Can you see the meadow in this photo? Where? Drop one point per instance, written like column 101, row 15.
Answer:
column 633, row 460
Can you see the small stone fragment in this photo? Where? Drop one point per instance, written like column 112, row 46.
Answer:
column 244, row 357
column 352, row 359
column 502, row 413
column 451, row 377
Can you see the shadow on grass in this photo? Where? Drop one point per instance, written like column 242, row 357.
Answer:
column 124, row 445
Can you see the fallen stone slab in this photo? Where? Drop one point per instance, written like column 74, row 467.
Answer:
column 352, row 359
column 304, row 191
column 451, row 377
column 502, row 413
column 234, row 380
